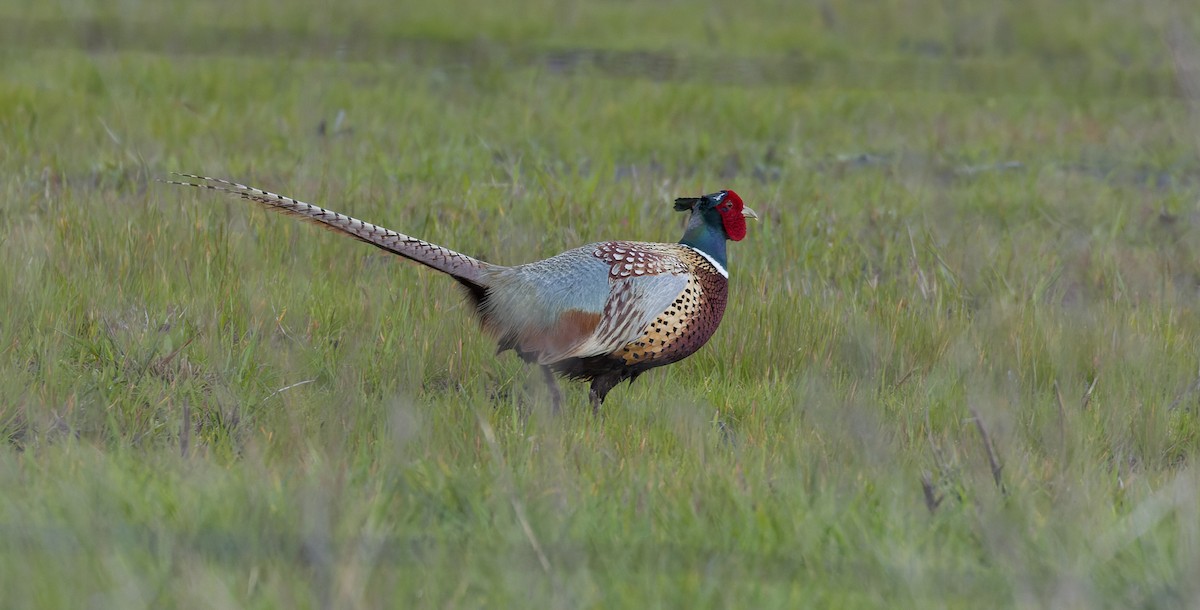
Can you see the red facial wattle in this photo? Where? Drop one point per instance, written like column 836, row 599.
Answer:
column 731, row 216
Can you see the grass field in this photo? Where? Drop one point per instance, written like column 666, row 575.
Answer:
column 959, row 369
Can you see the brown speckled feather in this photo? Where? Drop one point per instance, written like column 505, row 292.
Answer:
column 646, row 281
column 686, row 314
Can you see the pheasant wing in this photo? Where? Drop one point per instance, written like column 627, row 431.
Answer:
column 644, row 279
column 589, row 301
column 633, row 304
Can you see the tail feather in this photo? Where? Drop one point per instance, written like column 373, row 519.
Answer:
column 471, row 272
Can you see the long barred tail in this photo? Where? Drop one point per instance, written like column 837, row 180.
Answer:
column 467, row 270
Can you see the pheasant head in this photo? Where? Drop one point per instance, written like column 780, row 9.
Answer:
column 714, row 219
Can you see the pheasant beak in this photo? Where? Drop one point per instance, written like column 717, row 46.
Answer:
column 748, row 213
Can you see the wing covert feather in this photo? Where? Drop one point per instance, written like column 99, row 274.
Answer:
column 589, row 301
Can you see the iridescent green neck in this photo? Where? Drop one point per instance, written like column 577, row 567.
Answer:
column 705, row 233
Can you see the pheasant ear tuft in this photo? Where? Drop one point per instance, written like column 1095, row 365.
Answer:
column 683, row 204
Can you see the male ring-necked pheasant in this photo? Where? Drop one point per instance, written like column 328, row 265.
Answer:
column 603, row 313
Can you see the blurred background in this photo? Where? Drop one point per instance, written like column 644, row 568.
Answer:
column 959, row 368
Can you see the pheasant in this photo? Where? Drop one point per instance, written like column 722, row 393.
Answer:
column 603, row 313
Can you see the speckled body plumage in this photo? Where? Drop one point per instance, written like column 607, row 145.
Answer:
column 605, row 312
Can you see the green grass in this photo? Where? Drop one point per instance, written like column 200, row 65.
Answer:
column 976, row 219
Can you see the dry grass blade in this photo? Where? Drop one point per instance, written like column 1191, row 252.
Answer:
column 993, row 459
column 932, row 499
column 489, row 435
